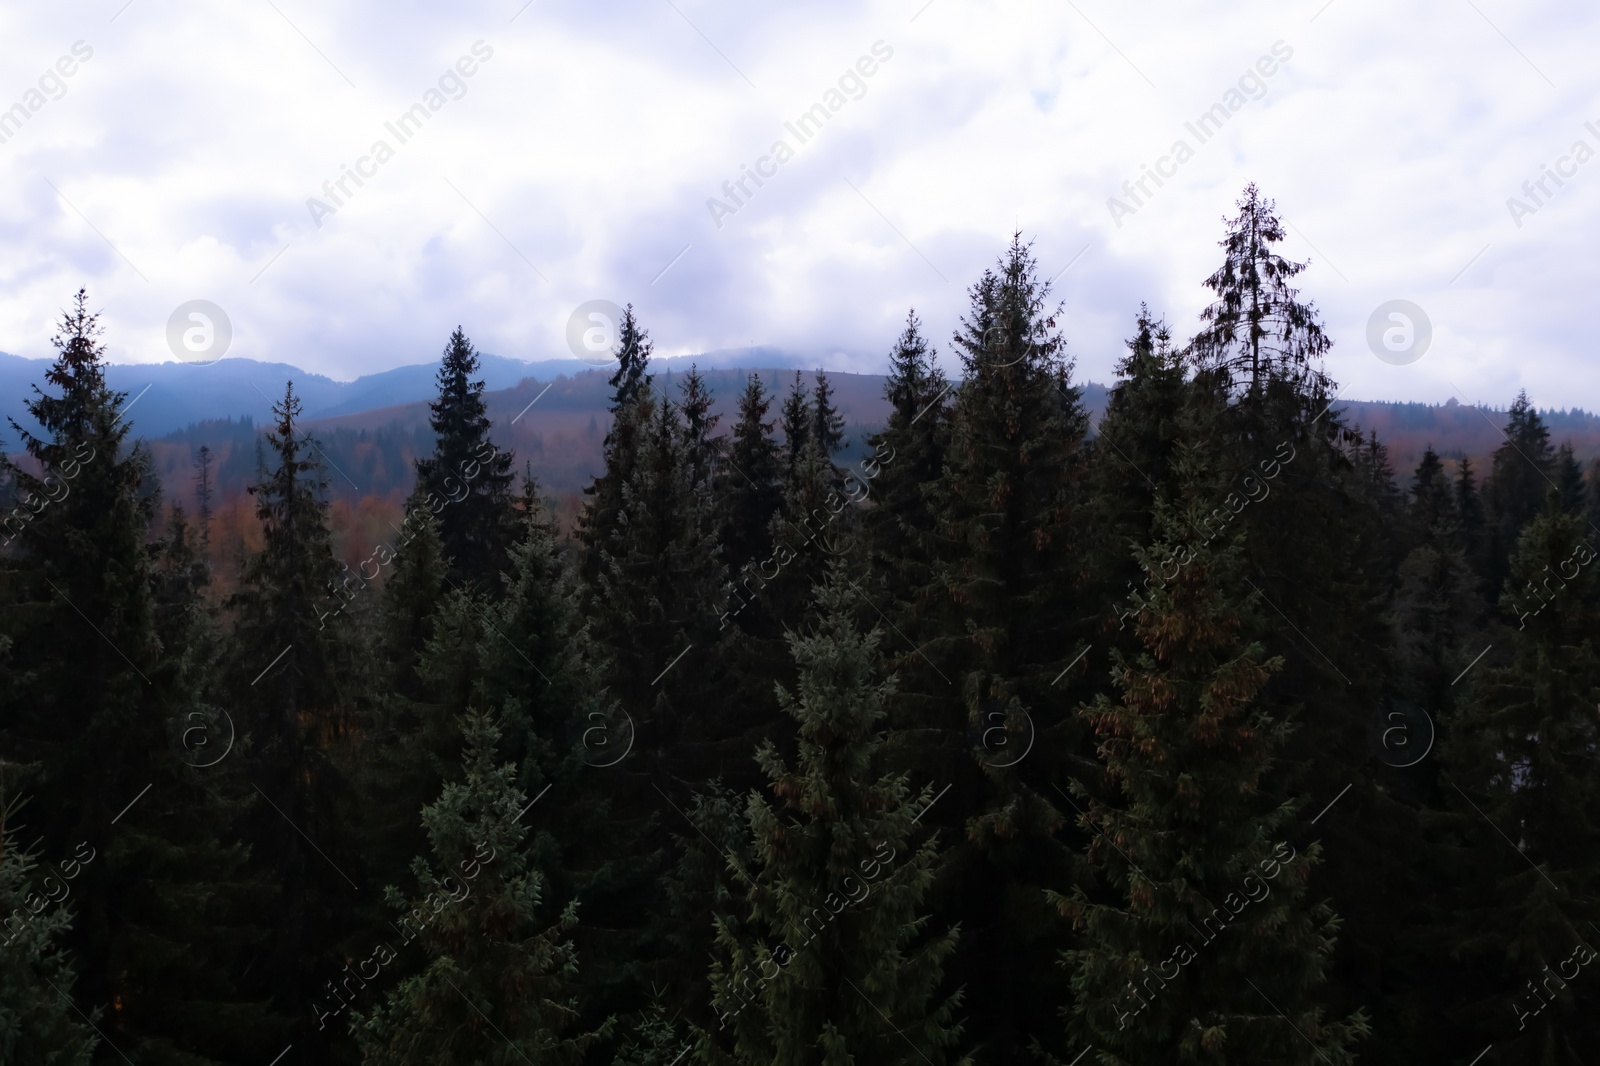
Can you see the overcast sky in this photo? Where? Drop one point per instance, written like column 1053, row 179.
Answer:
column 576, row 163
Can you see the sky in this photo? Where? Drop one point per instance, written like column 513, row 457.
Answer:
column 559, row 153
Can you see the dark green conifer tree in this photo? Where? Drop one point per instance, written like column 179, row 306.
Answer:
column 1568, row 475
column 834, row 963
column 1435, row 605
column 1132, row 453
column 1474, row 527
column 1199, row 945
column 38, row 1022
column 291, row 673
column 399, row 761
column 477, row 523
column 631, row 380
column 796, row 422
column 1592, row 495
column 497, row 982
column 906, row 458
column 1513, row 494
column 827, row 424
column 598, row 526
column 749, row 487
column 1287, row 460
column 110, row 663
column 1257, row 328
column 1007, row 618
column 1526, row 807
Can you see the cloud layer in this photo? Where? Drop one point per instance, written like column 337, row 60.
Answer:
column 584, row 155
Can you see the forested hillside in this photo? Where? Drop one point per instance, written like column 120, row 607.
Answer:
column 986, row 725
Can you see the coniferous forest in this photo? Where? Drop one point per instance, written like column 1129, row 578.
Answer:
column 1197, row 735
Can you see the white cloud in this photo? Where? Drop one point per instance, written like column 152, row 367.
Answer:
column 592, row 139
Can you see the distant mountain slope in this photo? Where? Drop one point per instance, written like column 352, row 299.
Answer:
column 553, row 415
column 180, row 394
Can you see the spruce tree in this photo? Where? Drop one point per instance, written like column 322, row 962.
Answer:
column 827, row 425
column 1435, row 606
column 1257, row 328
column 1513, row 494
column 1182, row 960
column 1526, row 804
column 1133, row 450
column 1569, row 479
column 110, row 669
column 749, row 490
column 1007, row 618
column 1474, row 532
column 836, row 894
column 796, row 422
column 477, row 524
column 1289, row 461
column 631, row 380
column 38, row 1022
column 700, row 434
column 290, row 673
column 906, row 458
column 397, row 769
column 599, row 526
column 496, row 984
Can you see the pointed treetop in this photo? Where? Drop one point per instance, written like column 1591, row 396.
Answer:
column 1257, row 328
column 633, row 359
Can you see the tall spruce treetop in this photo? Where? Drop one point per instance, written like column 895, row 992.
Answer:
column 1569, row 478
column 909, row 455
column 796, row 422
column 750, row 483
column 827, row 424
column 631, row 379
column 1135, row 444
column 598, row 527
column 291, row 637
column 699, row 432
column 1257, row 327
column 1011, row 493
column 1003, row 624
column 477, row 523
column 1513, row 493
